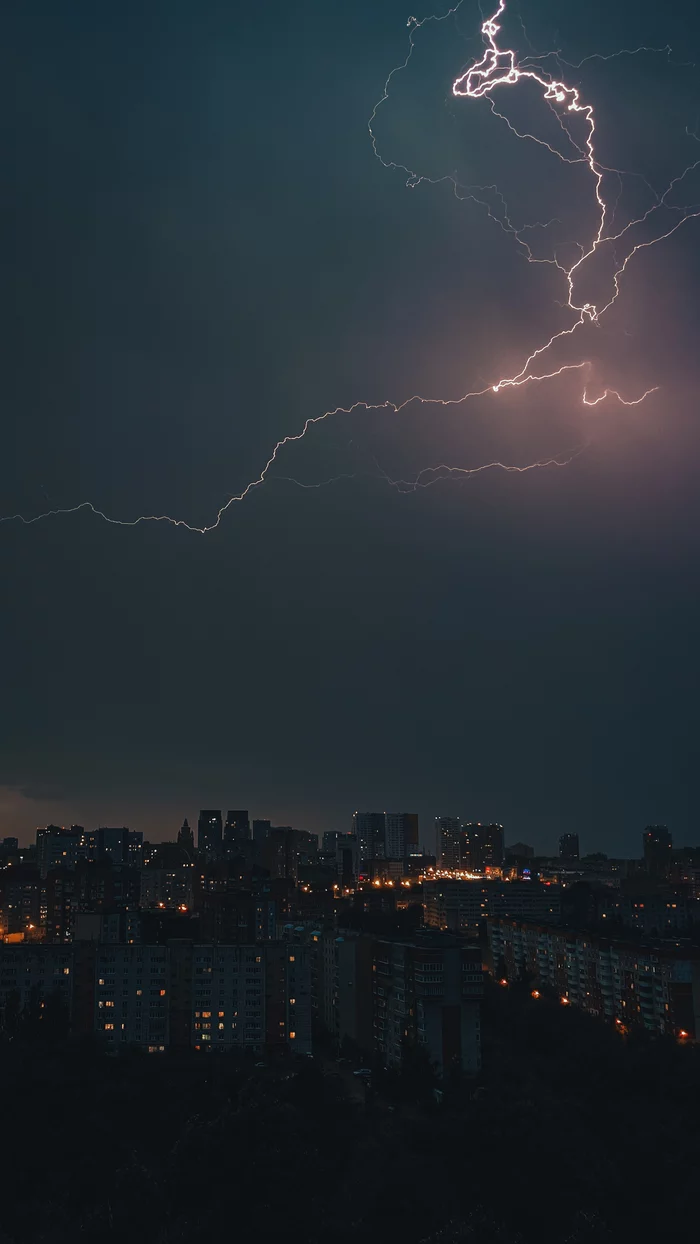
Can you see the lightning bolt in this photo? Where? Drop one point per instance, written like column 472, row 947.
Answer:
column 497, row 68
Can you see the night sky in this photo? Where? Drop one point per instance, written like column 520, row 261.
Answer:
column 199, row 251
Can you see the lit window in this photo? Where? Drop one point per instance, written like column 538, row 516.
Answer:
column 66, row 971
column 291, row 958
column 109, row 1027
column 292, row 1035
column 139, row 992
column 162, row 993
column 292, row 1001
column 206, row 1014
column 222, row 1026
column 101, row 981
column 109, row 1004
column 258, row 959
column 198, row 1014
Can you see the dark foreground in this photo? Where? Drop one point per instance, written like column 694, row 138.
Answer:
column 574, row 1136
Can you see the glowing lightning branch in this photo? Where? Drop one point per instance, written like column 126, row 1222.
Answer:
column 498, row 68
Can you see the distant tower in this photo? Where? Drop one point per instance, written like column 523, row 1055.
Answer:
column 448, row 831
column 236, row 829
column 482, row 846
column 658, row 845
column 369, row 829
column 209, row 833
column 568, row 847
column 401, row 833
column 185, row 837
column 260, row 830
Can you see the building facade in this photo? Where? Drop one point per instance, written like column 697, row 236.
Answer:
column 652, row 987
column 181, row 994
column 427, row 994
column 459, row 906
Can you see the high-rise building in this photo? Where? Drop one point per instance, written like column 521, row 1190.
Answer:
column 370, row 830
column 460, row 906
column 482, row 846
column 448, row 830
column 118, row 846
column 341, row 973
column 236, row 829
column 568, row 847
column 57, row 847
column 347, row 859
column 209, row 833
column 279, row 852
column 427, row 993
column 401, row 834
column 656, row 988
column 658, row 845
column 20, row 899
column 260, row 830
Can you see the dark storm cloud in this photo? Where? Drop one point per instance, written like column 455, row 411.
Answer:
column 199, row 251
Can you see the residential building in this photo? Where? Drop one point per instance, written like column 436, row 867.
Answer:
column 369, row 828
column 236, row 831
column 448, row 841
column 482, row 847
column 341, row 971
column 568, row 847
column 657, row 843
column 178, row 994
column 347, row 859
column 57, row 847
column 656, row 987
column 427, row 993
column 210, row 834
column 460, row 906
column 260, row 831
column 20, row 899
column 401, row 834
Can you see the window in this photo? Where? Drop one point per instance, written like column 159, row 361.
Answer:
column 206, row 1014
column 292, row 1001
column 222, row 1026
column 139, row 992
column 109, row 1027
column 66, row 971
column 221, row 1015
column 291, row 959
column 162, row 993
column 292, row 1035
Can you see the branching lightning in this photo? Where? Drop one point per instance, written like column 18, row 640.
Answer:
column 496, row 70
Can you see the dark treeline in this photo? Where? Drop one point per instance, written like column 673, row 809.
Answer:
column 572, row 1136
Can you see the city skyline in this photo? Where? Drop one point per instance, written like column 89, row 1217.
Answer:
column 428, row 828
